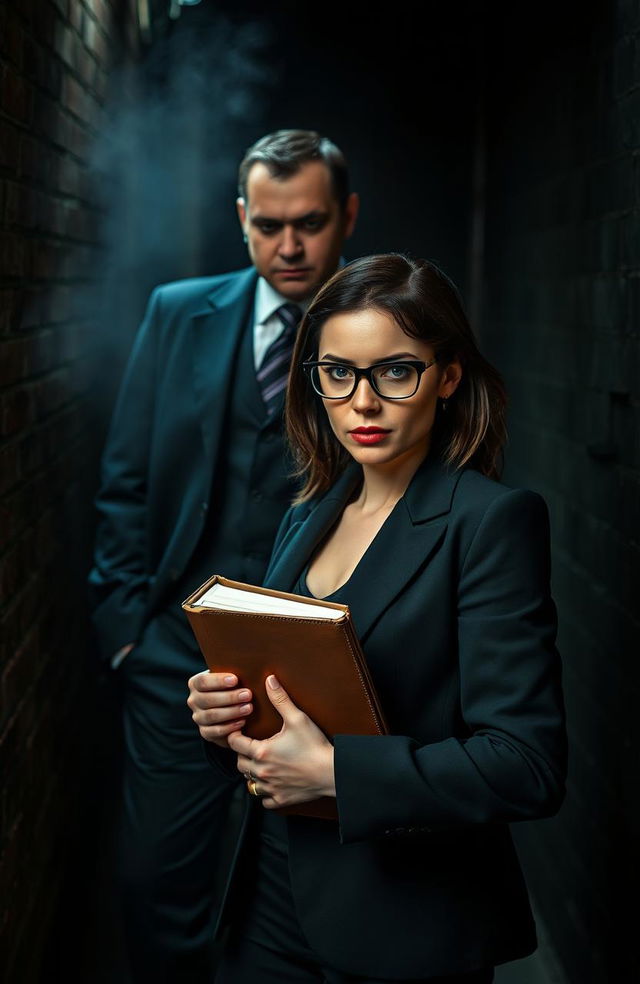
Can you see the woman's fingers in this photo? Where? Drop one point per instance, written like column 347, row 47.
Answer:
column 222, row 715
column 246, row 748
column 218, row 706
column 281, row 700
column 214, row 689
column 206, row 694
column 217, row 732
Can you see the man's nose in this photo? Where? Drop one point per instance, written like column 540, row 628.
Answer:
column 365, row 399
column 290, row 242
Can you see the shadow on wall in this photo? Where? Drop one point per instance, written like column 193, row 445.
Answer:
column 164, row 167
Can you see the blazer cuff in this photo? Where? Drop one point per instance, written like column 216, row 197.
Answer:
column 374, row 787
column 119, row 619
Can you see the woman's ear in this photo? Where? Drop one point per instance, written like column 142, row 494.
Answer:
column 450, row 379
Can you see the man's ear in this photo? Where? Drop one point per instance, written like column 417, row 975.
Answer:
column 242, row 213
column 351, row 210
column 450, row 379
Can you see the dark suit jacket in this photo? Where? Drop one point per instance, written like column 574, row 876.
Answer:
column 451, row 602
column 160, row 456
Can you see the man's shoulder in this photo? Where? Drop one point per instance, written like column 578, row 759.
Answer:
column 192, row 292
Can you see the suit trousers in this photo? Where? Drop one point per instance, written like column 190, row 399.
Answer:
column 174, row 810
column 266, row 943
column 247, row 962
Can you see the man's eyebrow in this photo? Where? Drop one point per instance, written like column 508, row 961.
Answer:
column 315, row 214
column 395, row 357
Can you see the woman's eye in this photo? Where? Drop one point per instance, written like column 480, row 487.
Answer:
column 396, row 372
column 338, row 372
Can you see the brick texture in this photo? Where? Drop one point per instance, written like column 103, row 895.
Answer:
column 51, row 54
column 561, row 321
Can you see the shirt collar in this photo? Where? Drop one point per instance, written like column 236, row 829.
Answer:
column 269, row 300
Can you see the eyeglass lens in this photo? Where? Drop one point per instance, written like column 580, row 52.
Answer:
column 392, row 380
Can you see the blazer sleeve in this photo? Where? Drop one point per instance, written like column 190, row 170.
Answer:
column 512, row 765
column 119, row 580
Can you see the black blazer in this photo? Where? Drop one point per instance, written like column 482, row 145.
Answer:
column 452, row 604
column 159, row 460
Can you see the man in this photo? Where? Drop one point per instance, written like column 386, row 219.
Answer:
column 195, row 482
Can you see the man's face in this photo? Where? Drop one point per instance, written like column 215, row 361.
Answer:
column 295, row 228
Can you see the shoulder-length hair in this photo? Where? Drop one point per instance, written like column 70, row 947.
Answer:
column 426, row 305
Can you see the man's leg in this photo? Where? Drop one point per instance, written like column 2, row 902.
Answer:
column 173, row 817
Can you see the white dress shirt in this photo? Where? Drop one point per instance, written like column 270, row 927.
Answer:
column 267, row 326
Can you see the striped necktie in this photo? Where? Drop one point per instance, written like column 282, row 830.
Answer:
column 274, row 369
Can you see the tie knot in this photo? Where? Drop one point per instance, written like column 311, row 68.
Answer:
column 290, row 315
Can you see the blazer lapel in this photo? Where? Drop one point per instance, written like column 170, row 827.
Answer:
column 404, row 544
column 399, row 550
column 218, row 328
column 303, row 537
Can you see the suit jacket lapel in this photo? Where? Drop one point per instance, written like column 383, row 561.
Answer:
column 218, row 328
column 405, row 543
column 392, row 559
column 303, row 537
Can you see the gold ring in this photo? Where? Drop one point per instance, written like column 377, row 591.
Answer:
column 253, row 789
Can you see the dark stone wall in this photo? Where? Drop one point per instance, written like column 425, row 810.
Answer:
column 560, row 319
column 55, row 59
column 118, row 161
column 117, row 171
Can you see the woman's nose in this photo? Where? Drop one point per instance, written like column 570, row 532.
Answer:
column 365, row 397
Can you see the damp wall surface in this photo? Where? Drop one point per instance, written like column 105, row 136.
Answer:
column 506, row 149
column 561, row 319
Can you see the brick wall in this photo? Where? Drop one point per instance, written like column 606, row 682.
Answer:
column 55, row 61
column 561, row 320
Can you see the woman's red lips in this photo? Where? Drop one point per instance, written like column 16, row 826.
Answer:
column 368, row 435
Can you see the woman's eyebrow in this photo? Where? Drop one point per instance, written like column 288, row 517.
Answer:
column 395, row 356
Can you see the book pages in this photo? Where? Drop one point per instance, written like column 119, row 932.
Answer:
column 237, row 600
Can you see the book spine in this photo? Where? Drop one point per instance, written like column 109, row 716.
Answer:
column 346, row 627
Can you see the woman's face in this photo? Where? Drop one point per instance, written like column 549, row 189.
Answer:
column 377, row 431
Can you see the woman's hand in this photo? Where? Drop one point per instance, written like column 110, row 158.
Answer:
column 217, row 708
column 294, row 766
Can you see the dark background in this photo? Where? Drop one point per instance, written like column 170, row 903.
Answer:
column 501, row 141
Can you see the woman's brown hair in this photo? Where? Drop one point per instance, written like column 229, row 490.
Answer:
column 426, row 305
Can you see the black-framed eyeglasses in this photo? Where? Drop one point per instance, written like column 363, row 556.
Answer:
column 397, row 380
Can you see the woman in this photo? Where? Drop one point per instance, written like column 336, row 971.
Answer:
column 397, row 423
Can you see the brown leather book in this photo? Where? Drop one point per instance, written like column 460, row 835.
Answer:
column 309, row 644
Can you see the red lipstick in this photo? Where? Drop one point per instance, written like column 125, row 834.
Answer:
column 369, row 435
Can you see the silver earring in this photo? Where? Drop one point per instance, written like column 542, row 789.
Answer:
column 445, row 401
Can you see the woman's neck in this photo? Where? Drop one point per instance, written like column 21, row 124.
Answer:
column 383, row 485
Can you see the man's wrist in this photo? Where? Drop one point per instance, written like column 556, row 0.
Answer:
column 120, row 655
